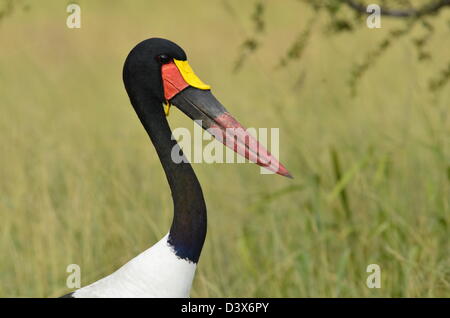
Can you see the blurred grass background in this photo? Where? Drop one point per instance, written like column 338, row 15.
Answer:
column 80, row 182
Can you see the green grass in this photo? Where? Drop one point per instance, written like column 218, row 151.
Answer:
column 80, row 182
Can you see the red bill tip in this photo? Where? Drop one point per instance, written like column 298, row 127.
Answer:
column 235, row 136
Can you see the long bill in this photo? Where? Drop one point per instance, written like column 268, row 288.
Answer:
column 185, row 90
column 202, row 107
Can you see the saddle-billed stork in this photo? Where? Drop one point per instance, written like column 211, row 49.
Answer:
column 156, row 75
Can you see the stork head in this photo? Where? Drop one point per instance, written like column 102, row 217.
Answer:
column 157, row 70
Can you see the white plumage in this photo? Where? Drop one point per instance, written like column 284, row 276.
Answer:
column 156, row 272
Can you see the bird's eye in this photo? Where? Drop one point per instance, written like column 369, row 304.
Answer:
column 163, row 59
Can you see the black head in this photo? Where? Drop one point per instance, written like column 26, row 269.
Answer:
column 156, row 71
column 142, row 69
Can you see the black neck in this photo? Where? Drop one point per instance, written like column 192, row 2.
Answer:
column 188, row 230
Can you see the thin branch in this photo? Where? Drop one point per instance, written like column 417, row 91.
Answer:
column 405, row 13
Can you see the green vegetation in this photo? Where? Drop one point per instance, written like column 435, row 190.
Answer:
column 80, row 182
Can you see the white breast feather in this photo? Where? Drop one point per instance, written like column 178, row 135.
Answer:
column 156, row 272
